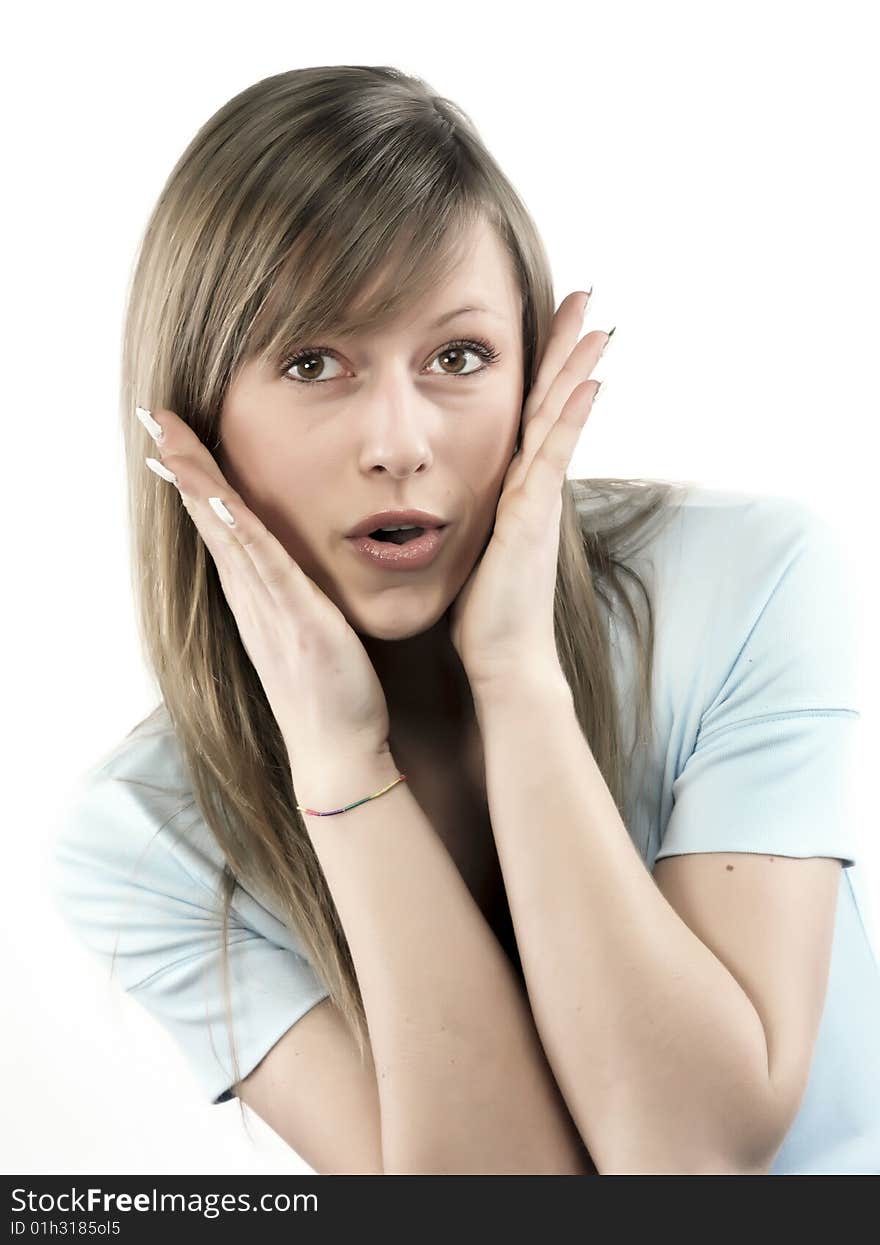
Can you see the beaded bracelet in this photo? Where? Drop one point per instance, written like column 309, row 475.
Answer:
column 315, row 813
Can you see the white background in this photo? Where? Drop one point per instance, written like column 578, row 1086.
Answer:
column 709, row 169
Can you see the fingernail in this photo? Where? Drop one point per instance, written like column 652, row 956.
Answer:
column 587, row 300
column 221, row 512
column 607, row 340
column 603, row 384
column 152, row 427
column 161, row 470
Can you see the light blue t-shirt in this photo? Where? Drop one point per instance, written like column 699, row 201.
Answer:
column 755, row 709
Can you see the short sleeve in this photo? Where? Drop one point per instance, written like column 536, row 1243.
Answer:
column 127, row 896
column 772, row 768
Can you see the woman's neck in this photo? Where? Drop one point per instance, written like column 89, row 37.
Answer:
column 423, row 679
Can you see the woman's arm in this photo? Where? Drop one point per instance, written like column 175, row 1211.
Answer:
column 464, row 1086
column 656, row 1045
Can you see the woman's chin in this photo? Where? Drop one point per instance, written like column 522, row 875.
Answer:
column 395, row 629
column 399, row 620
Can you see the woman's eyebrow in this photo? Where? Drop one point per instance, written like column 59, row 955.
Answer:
column 447, row 315
column 459, row 311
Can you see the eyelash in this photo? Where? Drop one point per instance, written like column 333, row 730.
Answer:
column 477, row 345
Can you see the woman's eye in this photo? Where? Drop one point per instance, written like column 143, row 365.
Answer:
column 310, row 363
column 457, row 353
column 452, row 360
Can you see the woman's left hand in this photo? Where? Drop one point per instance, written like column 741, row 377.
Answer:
column 503, row 615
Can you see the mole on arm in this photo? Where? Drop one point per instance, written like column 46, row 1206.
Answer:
column 730, row 868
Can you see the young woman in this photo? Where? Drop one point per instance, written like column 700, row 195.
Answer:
column 434, row 852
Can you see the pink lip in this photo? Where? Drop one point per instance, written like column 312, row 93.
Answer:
column 391, row 518
column 412, row 556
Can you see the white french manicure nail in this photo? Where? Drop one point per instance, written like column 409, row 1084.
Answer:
column 152, row 427
column 161, row 470
column 221, row 512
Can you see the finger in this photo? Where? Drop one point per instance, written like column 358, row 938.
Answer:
column 246, row 547
column 552, row 389
column 577, row 367
column 246, row 542
column 177, row 437
column 281, row 574
column 546, row 472
column 567, row 324
column 238, row 574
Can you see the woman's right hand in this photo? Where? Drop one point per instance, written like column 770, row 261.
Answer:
column 319, row 681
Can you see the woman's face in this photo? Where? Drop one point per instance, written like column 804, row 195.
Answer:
column 390, row 424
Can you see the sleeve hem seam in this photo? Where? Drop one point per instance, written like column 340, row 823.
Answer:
column 783, row 716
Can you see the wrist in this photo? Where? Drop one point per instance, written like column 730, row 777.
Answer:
column 332, row 779
column 317, row 750
column 522, row 684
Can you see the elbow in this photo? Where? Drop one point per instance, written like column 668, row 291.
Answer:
column 554, row 1161
column 666, row 1156
column 671, row 1165
column 744, row 1144
column 695, row 1150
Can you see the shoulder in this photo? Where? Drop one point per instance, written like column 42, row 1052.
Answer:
column 733, row 568
column 759, row 680
column 138, row 879
column 703, row 539
column 131, row 824
column 737, row 536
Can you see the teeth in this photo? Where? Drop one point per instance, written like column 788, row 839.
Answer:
column 406, row 527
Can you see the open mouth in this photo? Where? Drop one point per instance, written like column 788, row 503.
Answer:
column 413, row 548
column 398, row 538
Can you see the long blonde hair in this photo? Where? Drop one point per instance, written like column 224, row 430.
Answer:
column 283, row 207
